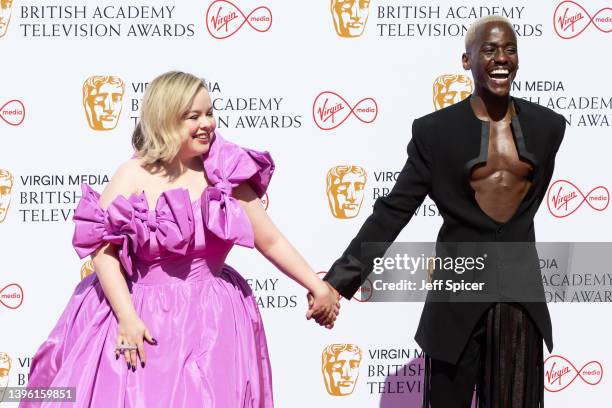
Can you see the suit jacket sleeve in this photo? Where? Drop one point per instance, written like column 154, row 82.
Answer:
column 391, row 213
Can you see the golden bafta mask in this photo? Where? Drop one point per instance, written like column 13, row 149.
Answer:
column 6, row 10
column 5, row 369
column 345, row 188
column 340, row 367
column 103, row 100
column 450, row 89
column 350, row 16
column 87, row 269
column 6, row 185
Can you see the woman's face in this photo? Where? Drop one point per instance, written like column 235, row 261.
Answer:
column 197, row 126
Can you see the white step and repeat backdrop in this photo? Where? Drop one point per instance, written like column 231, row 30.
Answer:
column 319, row 84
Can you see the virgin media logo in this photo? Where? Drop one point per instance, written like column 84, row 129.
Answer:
column 564, row 198
column 571, row 19
column 11, row 296
column 330, row 110
column 559, row 373
column 13, row 112
column 224, row 19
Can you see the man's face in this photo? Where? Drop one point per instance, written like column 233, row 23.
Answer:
column 6, row 185
column 493, row 58
column 350, row 16
column 343, row 371
column 6, row 8
column 103, row 106
column 452, row 93
column 346, row 195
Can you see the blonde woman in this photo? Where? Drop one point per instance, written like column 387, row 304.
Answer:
column 185, row 324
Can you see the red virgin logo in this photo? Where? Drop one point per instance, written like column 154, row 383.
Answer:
column 559, row 373
column 330, row 110
column 571, row 19
column 224, row 19
column 564, row 198
column 13, row 112
column 11, row 296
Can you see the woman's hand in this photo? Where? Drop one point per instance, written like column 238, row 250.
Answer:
column 131, row 331
column 323, row 305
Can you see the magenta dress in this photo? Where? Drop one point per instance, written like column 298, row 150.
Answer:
column 211, row 349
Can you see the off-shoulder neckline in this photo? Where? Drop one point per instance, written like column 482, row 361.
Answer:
column 185, row 190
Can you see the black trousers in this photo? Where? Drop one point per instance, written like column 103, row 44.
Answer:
column 500, row 367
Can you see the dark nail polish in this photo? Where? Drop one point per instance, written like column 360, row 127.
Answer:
column 142, row 364
column 128, row 365
column 116, row 356
column 154, row 341
column 133, row 368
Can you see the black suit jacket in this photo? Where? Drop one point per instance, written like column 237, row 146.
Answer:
column 445, row 146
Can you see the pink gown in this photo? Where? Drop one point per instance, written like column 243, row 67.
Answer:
column 211, row 348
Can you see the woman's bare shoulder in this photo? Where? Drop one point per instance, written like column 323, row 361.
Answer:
column 126, row 181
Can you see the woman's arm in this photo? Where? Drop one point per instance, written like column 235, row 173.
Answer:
column 271, row 243
column 105, row 259
column 130, row 329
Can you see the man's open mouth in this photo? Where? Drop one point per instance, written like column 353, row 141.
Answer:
column 499, row 73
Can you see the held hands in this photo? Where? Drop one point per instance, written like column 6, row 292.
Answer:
column 323, row 305
column 130, row 332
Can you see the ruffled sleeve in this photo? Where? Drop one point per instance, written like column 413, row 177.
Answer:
column 121, row 224
column 228, row 165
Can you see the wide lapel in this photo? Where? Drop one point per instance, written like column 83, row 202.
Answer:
column 520, row 136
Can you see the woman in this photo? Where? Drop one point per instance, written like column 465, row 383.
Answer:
column 158, row 236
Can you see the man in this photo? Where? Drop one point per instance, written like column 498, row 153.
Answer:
column 102, row 100
column 350, row 16
column 486, row 162
column 345, row 188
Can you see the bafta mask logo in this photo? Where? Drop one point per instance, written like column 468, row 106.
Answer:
column 5, row 369
column 6, row 9
column 340, row 367
column 350, row 16
column 345, row 189
column 102, row 100
column 6, row 185
column 87, row 269
column 451, row 88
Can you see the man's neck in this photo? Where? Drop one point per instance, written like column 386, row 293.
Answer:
column 491, row 108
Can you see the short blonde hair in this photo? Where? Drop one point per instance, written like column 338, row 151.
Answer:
column 167, row 98
column 470, row 35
